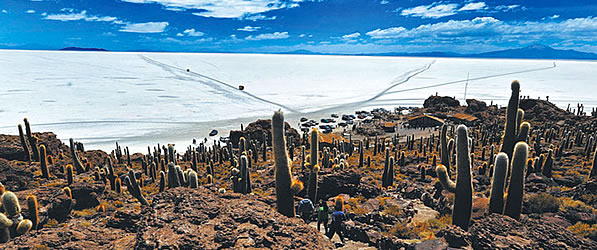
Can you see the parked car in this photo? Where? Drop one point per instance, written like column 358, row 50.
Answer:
column 304, row 119
column 213, row 132
column 334, row 116
column 224, row 139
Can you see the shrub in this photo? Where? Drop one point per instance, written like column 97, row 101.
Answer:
column 584, row 230
column 542, row 203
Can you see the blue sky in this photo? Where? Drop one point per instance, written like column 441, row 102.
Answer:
column 331, row 26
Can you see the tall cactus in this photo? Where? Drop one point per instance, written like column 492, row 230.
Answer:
column 24, row 143
column 32, row 140
column 463, row 188
column 76, row 161
column 498, row 184
column 133, row 188
column 593, row 173
column 43, row 162
column 444, row 153
column 283, row 173
column 314, row 165
column 509, row 138
column 516, row 186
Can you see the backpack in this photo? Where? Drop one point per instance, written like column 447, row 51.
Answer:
column 338, row 217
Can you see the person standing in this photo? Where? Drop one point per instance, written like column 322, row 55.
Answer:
column 323, row 215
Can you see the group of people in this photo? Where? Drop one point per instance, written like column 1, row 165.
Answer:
column 306, row 211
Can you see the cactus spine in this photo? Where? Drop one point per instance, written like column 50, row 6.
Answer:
column 516, row 186
column 496, row 200
column 282, row 172
column 463, row 188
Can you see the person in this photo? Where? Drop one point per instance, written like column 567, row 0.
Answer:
column 306, row 208
column 335, row 226
column 322, row 215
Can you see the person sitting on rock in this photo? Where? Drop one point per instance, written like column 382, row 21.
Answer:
column 323, row 215
column 335, row 226
column 306, row 208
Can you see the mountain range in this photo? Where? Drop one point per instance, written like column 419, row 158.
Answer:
column 535, row 51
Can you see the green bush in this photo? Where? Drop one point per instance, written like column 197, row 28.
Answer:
column 542, row 203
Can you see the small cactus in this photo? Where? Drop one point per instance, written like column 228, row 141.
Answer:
column 498, row 184
column 68, row 192
column 162, row 181
column 33, row 209
column 69, row 174
column 193, row 180
column 516, row 186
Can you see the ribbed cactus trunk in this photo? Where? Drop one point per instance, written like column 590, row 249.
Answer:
column 314, row 164
column 511, row 121
column 32, row 141
column 593, row 173
column 498, row 184
column 463, row 198
column 282, row 172
column 516, row 186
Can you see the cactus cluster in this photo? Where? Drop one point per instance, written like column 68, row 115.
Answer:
column 13, row 223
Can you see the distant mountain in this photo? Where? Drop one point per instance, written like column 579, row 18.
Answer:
column 535, row 51
column 82, row 49
column 538, row 51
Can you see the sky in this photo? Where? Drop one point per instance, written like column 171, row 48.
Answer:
column 273, row 26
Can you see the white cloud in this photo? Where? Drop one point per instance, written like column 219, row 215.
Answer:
column 149, row 27
column 484, row 28
column 4, row 11
column 268, row 36
column 351, row 36
column 179, row 34
column 551, row 17
column 226, row 8
column 187, row 42
column 192, row 32
column 73, row 16
column 384, row 2
column 255, row 18
column 30, row 11
column 393, row 32
column 249, row 28
column 433, row 10
column 506, row 8
column 473, row 6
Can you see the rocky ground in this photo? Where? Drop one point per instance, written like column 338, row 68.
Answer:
column 559, row 212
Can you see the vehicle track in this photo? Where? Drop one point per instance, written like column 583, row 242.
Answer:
column 220, row 86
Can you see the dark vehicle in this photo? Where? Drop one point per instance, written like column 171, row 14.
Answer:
column 342, row 124
column 307, row 124
column 362, row 117
column 224, row 139
column 303, row 119
column 213, row 132
column 348, row 117
column 349, row 122
column 327, row 120
column 334, row 116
